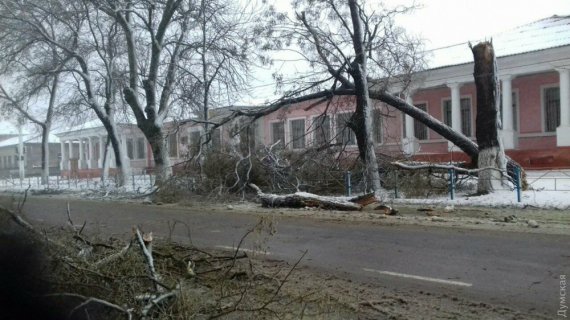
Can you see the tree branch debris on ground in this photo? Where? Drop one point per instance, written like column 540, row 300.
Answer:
column 309, row 200
column 162, row 280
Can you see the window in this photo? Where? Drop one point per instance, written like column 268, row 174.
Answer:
column 514, row 100
column 465, row 115
column 141, row 146
column 172, row 145
column 194, row 142
column 447, row 112
column 278, row 133
column 344, row 134
column 130, row 149
column 216, row 139
column 298, row 134
column 322, row 127
column 377, row 125
column 420, row 129
column 551, row 109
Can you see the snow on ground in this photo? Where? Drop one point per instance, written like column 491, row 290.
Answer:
column 548, row 190
column 138, row 184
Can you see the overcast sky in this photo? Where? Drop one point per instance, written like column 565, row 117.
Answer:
column 446, row 22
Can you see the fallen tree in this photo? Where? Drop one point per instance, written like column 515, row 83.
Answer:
column 305, row 199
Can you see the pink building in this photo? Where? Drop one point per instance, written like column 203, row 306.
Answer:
column 534, row 69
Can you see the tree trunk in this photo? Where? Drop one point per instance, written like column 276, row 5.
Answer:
column 155, row 136
column 45, row 153
column 491, row 152
column 304, row 199
column 361, row 120
column 121, row 160
column 105, row 162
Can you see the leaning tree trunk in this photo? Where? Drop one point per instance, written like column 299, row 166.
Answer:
column 461, row 141
column 491, row 152
column 361, row 120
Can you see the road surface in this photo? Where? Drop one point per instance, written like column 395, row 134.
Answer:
column 516, row 270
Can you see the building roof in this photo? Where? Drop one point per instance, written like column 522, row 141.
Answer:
column 542, row 34
column 29, row 138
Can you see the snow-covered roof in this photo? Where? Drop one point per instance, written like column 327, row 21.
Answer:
column 543, row 34
column 30, row 138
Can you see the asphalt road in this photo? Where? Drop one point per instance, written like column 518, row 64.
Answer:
column 516, row 270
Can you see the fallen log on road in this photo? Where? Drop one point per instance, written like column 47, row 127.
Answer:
column 305, row 199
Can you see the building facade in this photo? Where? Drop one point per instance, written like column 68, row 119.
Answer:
column 83, row 149
column 534, row 71
column 32, row 156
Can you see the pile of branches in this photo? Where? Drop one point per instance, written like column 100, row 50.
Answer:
column 75, row 276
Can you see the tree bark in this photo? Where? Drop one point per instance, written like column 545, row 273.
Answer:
column 155, row 136
column 121, row 161
column 491, row 152
column 304, row 199
column 361, row 120
column 45, row 154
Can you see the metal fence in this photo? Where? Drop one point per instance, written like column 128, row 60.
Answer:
column 137, row 183
column 551, row 180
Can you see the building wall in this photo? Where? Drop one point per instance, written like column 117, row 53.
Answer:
column 530, row 91
column 33, row 162
column 536, row 148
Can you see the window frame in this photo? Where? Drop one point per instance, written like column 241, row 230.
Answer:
column 130, row 146
column 138, row 148
column 169, row 144
column 416, row 122
column 471, row 117
column 315, row 129
column 336, row 133
column 543, row 89
column 289, row 133
column 271, row 132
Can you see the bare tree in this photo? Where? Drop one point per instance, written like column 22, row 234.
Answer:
column 21, row 104
column 69, row 29
column 346, row 43
column 155, row 35
column 224, row 50
column 30, row 79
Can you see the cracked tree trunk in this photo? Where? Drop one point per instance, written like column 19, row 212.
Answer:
column 491, row 152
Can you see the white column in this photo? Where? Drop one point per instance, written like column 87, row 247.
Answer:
column 563, row 131
column 70, row 155
column 81, row 156
column 101, row 153
column 455, row 111
column 409, row 142
column 90, row 153
column 507, row 133
column 62, row 160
